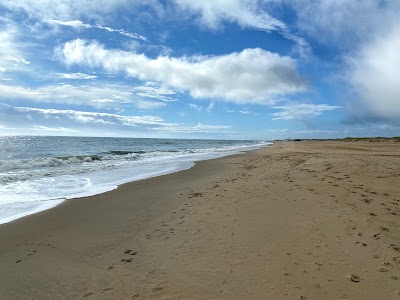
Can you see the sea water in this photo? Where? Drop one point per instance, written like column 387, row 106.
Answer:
column 38, row 173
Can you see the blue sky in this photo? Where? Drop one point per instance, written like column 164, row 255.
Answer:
column 237, row 69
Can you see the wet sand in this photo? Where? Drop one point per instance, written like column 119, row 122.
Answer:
column 298, row 220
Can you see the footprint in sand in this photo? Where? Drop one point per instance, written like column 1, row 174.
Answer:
column 87, row 295
column 384, row 228
column 130, row 252
column 383, row 270
column 377, row 236
column 395, row 248
column 157, row 289
column 355, row 278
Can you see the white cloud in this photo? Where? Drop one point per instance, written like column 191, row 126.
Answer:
column 250, row 76
column 65, row 9
column 73, row 121
column 74, row 117
column 374, row 72
column 76, row 76
column 245, row 13
column 152, row 90
column 195, row 107
column 79, row 25
column 343, row 22
column 73, row 23
column 369, row 32
column 149, row 104
column 55, row 129
column 106, row 96
column 210, row 106
column 65, row 93
column 12, row 52
column 301, row 111
column 199, row 128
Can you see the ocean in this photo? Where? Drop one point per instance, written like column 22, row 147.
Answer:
column 38, row 172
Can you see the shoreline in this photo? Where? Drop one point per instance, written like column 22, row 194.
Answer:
column 158, row 169
column 295, row 220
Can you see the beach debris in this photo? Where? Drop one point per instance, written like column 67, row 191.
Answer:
column 128, row 251
column 394, row 277
column 18, row 261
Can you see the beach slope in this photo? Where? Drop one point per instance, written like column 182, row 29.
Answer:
column 297, row 220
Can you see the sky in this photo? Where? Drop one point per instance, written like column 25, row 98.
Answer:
column 216, row 69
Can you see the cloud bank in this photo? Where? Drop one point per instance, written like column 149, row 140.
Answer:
column 250, row 76
column 343, row 23
column 74, row 121
column 106, row 96
column 12, row 54
column 301, row 111
column 374, row 73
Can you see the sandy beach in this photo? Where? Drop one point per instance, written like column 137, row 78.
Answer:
column 296, row 220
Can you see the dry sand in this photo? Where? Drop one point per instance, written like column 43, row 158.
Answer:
column 298, row 220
